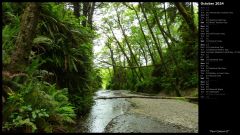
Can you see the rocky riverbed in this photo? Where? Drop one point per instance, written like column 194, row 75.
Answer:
column 140, row 115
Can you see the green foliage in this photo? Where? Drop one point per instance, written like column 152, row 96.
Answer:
column 67, row 48
column 192, row 81
column 145, row 86
column 9, row 33
column 37, row 102
column 105, row 77
column 60, row 79
column 172, row 56
column 96, row 76
column 25, row 117
column 50, row 106
column 166, row 83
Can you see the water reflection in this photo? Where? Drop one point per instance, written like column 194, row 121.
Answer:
column 103, row 111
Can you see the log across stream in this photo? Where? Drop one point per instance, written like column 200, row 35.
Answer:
column 152, row 97
column 190, row 99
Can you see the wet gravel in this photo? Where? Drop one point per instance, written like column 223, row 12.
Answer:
column 139, row 115
column 172, row 111
column 137, row 123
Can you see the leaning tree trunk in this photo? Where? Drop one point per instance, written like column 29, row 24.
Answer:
column 170, row 50
column 28, row 25
column 145, row 38
column 154, row 39
column 128, row 44
column 123, row 51
column 187, row 17
column 112, row 58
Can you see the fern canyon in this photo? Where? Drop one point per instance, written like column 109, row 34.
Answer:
column 102, row 67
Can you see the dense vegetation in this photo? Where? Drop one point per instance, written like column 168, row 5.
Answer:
column 49, row 76
column 57, row 81
column 151, row 47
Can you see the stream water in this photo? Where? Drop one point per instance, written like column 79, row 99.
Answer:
column 103, row 111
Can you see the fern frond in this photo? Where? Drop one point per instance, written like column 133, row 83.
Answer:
column 43, row 40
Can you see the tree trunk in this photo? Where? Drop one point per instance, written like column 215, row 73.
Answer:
column 154, row 38
column 187, row 17
column 143, row 52
column 128, row 44
column 122, row 50
column 192, row 11
column 170, row 50
column 145, row 38
column 76, row 9
column 28, row 25
column 112, row 58
column 165, row 13
column 168, row 33
column 85, row 13
column 90, row 15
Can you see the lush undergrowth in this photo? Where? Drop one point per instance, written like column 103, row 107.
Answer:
column 57, row 85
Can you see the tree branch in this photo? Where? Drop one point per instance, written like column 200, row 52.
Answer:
column 128, row 66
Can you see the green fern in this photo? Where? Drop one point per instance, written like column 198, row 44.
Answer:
column 43, row 40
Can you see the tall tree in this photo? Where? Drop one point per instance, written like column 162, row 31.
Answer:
column 76, row 8
column 124, row 53
column 145, row 38
column 86, row 6
column 187, row 17
column 29, row 21
column 90, row 15
column 172, row 55
column 154, row 38
column 108, row 43
column 128, row 44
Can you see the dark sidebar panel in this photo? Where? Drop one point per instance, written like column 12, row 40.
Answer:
column 219, row 66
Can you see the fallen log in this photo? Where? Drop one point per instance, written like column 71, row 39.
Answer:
column 151, row 97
